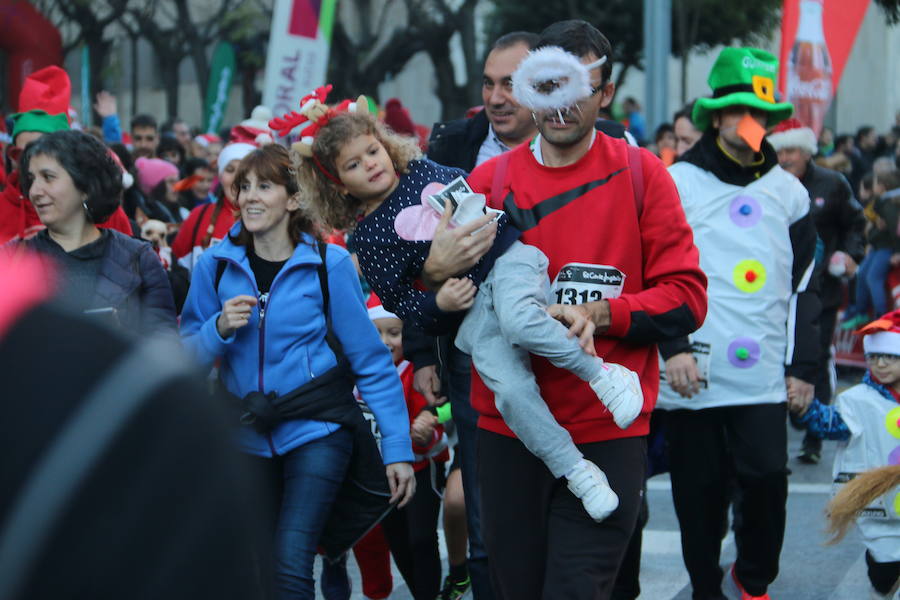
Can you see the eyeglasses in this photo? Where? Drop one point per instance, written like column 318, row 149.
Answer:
column 889, row 359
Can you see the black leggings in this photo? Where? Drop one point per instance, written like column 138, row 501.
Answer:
column 882, row 575
column 412, row 534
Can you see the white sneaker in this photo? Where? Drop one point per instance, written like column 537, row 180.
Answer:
column 620, row 391
column 469, row 206
column 589, row 484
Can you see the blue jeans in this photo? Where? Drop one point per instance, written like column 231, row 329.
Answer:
column 870, row 280
column 306, row 481
column 466, row 420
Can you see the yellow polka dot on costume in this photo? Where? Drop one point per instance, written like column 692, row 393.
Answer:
column 749, row 276
column 892, row 422
column 897, row 504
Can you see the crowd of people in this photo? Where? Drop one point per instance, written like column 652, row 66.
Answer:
column 519, row 355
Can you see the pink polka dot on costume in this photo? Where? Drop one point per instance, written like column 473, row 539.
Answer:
column 743, row 352
column 894, row 457
column 745, row 211
column 432, row 188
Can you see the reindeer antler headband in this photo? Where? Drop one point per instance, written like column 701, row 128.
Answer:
column 317, row 114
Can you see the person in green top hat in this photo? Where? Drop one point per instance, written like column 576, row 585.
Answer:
column 725, row 388
column 742, row 77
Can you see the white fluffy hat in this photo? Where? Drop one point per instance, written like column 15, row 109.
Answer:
column 791, row 133
column 550, row 78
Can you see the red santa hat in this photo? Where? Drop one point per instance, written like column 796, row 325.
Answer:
column 791, row 133
column 244, row 134
column 882, row 336
column 205, row 139
column 127, row 178
column 376, row 310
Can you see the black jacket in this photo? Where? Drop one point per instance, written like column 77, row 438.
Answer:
column 839, row 222
column 456, row 143
column 131, row 280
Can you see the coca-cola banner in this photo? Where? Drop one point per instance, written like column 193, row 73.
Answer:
column 816, row 39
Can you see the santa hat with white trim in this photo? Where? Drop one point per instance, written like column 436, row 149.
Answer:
column 882, row 336
column 377, row 310
column 791, row 133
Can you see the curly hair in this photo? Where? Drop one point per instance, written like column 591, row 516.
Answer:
column 320, row 195
column 88, row 163
column 271, row 163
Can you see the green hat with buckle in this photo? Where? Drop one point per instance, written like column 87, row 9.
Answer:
column 742, row 77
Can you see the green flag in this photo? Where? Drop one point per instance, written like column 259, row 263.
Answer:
column 220, row 77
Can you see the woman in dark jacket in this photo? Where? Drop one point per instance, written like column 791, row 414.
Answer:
column 74, row 184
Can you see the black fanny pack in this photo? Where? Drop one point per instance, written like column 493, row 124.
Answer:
column 328, row 397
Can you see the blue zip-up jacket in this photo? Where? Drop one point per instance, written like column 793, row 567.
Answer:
column 283, row 346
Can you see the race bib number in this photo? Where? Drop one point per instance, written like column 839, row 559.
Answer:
column 702, row 354
column 878, row 509
column 578, row 283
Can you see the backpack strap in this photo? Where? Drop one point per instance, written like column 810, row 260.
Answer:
column 333, row 342
column 499, row 180
column 202, row 214
column 220, row 270
column 636, row 167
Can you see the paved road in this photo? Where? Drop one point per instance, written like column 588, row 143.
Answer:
column 809, row 570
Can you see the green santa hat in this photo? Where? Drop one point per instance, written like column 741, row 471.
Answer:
column 742, row 77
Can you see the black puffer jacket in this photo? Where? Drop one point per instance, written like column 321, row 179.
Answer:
column 839, row 222
column 130, row 279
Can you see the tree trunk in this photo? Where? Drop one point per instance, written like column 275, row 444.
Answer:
column 454, row 100
column 171, row 78
column 250, row 96
column 134, row 74
column 473, row 66
column 197, row 46
column 98, row 51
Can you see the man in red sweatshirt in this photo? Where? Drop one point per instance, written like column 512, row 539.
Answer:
column 625, row 271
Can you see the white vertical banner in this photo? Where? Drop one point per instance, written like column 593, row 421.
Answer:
column 297, row 60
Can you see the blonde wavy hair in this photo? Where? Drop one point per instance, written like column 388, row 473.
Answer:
column 857, row 494
column 319, row 195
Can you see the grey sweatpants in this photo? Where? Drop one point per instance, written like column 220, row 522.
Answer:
column 509, row 321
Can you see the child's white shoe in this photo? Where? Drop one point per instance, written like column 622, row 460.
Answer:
column 589, row 484
column 620, row 391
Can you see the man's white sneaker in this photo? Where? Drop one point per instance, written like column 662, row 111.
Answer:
column 589, row 484
column 620, row 391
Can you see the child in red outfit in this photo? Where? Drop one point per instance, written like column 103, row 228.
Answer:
column 411, row 532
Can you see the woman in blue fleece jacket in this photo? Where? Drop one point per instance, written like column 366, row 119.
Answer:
column 263, row 316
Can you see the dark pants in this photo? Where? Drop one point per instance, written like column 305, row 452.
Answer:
column 827, row 322
column 870, row 280
column 412, row 535
column 883, row 576
column 707, row 449
column 542, row 543
column 303, row 485
column 465, row 418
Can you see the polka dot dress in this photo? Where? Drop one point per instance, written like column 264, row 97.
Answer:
column 391, row 264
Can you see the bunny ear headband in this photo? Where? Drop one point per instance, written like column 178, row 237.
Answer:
column 316, row 114
column 550, row 78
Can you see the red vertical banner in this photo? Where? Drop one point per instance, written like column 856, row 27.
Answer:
column 816, row 39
